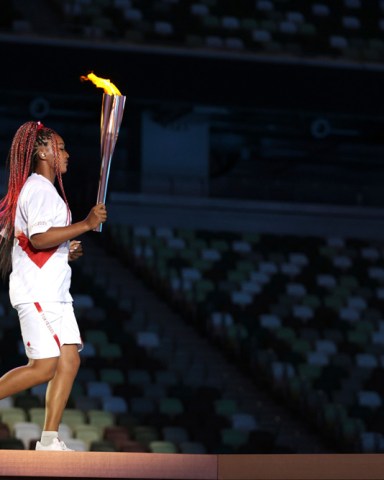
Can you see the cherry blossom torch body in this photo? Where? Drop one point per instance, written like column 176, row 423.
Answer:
column 112, row 110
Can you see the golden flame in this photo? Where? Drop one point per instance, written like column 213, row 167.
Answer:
column 104, row 83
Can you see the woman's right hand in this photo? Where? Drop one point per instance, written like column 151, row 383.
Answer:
column 97, row 215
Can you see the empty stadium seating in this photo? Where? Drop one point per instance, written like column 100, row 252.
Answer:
column 306, row 318
column 341, row 29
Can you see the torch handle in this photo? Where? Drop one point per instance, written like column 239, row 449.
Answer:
column 111, row 116
column 103, row 184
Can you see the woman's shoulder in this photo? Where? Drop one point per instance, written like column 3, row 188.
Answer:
column 37, row 184
column 39, row 181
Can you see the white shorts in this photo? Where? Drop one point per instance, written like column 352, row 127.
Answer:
column 46, row 327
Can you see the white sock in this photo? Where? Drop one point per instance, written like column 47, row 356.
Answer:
column 47, row 437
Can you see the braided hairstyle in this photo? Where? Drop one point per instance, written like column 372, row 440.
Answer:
column 22, row 161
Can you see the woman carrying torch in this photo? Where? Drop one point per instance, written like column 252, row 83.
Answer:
column 36, row 245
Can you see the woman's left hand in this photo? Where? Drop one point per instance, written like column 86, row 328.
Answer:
column 75, row 250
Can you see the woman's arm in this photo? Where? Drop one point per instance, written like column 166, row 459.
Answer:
column 57, row 235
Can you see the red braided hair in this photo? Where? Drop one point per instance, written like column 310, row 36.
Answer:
column 22, row 159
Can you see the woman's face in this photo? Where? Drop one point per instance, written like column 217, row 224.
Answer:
column 47, row 153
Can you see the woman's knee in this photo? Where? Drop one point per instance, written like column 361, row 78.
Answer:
column 44, row 369
column 69, row 359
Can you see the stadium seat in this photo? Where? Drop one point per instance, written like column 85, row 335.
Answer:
column 12, row 415
column 175, row 434
column 114, row 404
column 162, row 446
column 101, row 418
column 98, row 389
column 192, row 448
column 76, row 444
column 73, row 417
column 26, row 431
column 144, row 434
column 87, row 433
column 234, row 438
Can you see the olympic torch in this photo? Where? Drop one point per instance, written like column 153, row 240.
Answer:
column 112, row 110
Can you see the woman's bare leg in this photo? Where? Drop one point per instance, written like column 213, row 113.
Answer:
column 27, row 376
column 59, row 388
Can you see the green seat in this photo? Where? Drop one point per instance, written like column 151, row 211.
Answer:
column 139, row 376
column 12, row 415
column 307, row 29
column 166, row 378
column 357, row 337
column 202, row 288
column 351, row 429
column 204, row 285
column 365, row 326
column 333, row 301
column 238, row 276
column 312, row 301
column 100, row 418
column 295, row 387
column 77, row 389
column 87, row 433
column 248, row 24
column 110, row 351
column 220, row 245
column 327, row 251
column 342, row 291
column 202, row 264
column 73, row 417
column 186, row 234
column 162, row 446
column 192, row 447
column 113, row 376
column 225, row 407
column 309, row 372
column 210, row 21
column 190, row 255
column 37, row 415
column 349, row 282
column 271, row 26
column 286, row 334
column 252, row 237
column 96, row 337
column 175, row 434
column 145, row 434
column 301, row 346
column 333, row 413
column 245, row 266
column 233, row 437
column 171, row 406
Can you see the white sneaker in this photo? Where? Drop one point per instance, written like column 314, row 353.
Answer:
column 57, row 445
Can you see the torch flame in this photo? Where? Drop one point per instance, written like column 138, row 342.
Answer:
column 107, row 85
